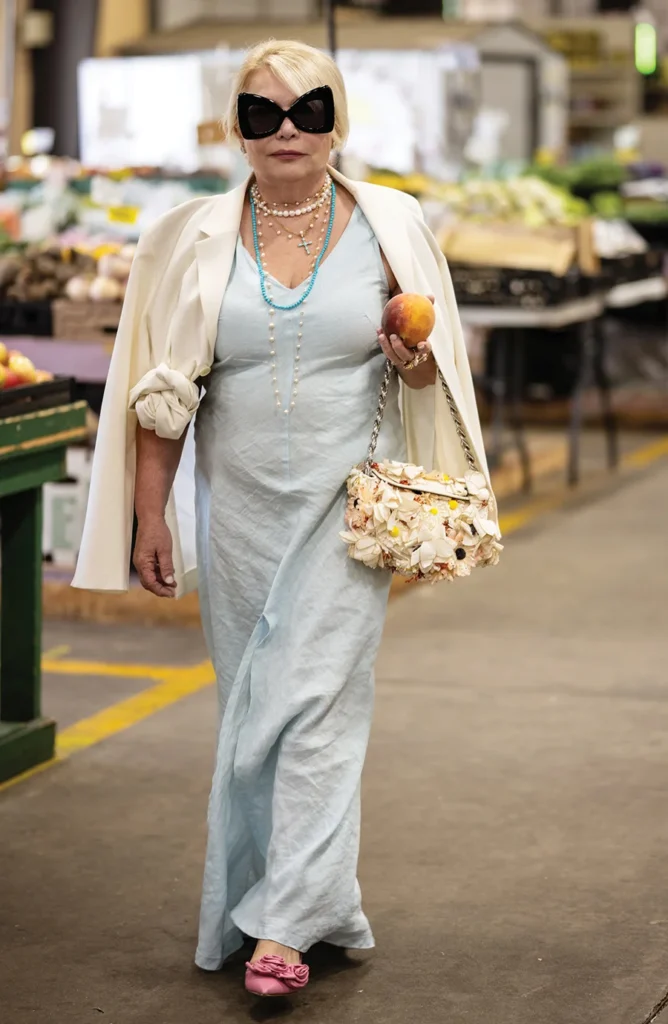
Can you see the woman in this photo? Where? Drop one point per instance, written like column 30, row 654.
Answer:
column 267, row 298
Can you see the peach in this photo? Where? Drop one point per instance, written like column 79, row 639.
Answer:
column 11, row 379
column 409, row 316
column 22, row 367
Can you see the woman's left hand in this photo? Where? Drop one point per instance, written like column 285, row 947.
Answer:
column 419, row 376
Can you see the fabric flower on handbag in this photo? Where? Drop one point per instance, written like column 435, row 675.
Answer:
column 476, row 485
column 439, row 549
column 382, row 511
column 486, row 526
column 416, row 532
column 366, row 549
column 402, row 471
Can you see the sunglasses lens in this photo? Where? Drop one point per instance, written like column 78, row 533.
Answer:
column 262, row 120
column 310, row 115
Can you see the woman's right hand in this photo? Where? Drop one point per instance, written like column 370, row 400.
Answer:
column 153, row 557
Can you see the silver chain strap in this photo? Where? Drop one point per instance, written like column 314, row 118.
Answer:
column 382, row 402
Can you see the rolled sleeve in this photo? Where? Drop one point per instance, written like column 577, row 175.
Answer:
column 165, row 400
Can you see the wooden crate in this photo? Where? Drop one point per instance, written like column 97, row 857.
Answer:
column 86, row 321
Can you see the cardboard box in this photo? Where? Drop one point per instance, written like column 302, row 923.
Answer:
column 504, row 244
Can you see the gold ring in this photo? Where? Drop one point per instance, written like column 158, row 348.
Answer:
column 420, row 358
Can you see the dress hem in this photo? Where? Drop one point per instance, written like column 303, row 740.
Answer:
column 213, row 964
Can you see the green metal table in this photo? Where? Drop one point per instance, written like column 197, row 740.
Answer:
column 32, row 453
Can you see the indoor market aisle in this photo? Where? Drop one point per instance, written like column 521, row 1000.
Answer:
column 515, row 827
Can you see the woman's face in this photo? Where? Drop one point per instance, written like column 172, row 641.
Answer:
column 289, row 155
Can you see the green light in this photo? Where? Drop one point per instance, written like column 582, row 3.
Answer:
column 646, row 49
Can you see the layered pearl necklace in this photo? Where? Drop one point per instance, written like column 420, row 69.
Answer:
column 308, row 205
column 324, row 201
column 312, row 205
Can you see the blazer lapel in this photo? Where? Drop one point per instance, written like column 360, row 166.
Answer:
column 215, row 253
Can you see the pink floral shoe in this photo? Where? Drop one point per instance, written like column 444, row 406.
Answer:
column 272, row 976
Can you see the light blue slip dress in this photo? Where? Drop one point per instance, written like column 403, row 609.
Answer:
column 292, row 624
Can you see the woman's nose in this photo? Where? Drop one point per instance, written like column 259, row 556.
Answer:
column 287, row 130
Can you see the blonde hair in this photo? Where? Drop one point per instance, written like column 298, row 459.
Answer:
column 300, row 68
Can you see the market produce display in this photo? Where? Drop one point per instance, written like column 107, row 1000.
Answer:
column 16, row 369
column 586, row 177
column 528, row 240
column 107, row 282
column 637, row 193
column 529, row 201
column 67, row 241
column 36, row 273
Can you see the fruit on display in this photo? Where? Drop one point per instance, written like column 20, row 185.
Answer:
column 22, row 367
column 600, row 173
column 10, row 265
column 77, row 288
column 608, row 204
column 409, row 316
column 39, row 274
column 109, row 282
column 641, row 211
column 9, row 379
column 528, row 201
column 16, row 369
column 414, row 184
column 106, row 289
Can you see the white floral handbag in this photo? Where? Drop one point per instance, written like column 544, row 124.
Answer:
column 424, row 526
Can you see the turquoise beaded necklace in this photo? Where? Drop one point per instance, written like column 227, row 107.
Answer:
column 316, row 268
column 274, row 307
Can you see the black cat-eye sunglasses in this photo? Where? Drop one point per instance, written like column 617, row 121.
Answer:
column 260, row 117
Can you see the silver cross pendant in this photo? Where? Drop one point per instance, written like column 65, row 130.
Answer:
column 305, row 245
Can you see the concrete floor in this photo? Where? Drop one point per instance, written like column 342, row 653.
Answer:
column 515, row 830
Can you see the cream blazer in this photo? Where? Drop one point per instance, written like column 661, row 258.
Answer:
column 165, row 343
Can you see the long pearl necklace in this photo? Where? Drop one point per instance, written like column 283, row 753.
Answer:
column 274, row 307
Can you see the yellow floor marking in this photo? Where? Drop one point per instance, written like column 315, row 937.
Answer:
column 647, row 454
column 178, row 684
column 637, row 459
column 56, row 652
column 511, row 522
column 514, row 521
column 37, row 770
column 172, row 684
column 103, row 668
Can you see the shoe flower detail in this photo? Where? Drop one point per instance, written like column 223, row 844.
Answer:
column 423, row 526
column 293, row 975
